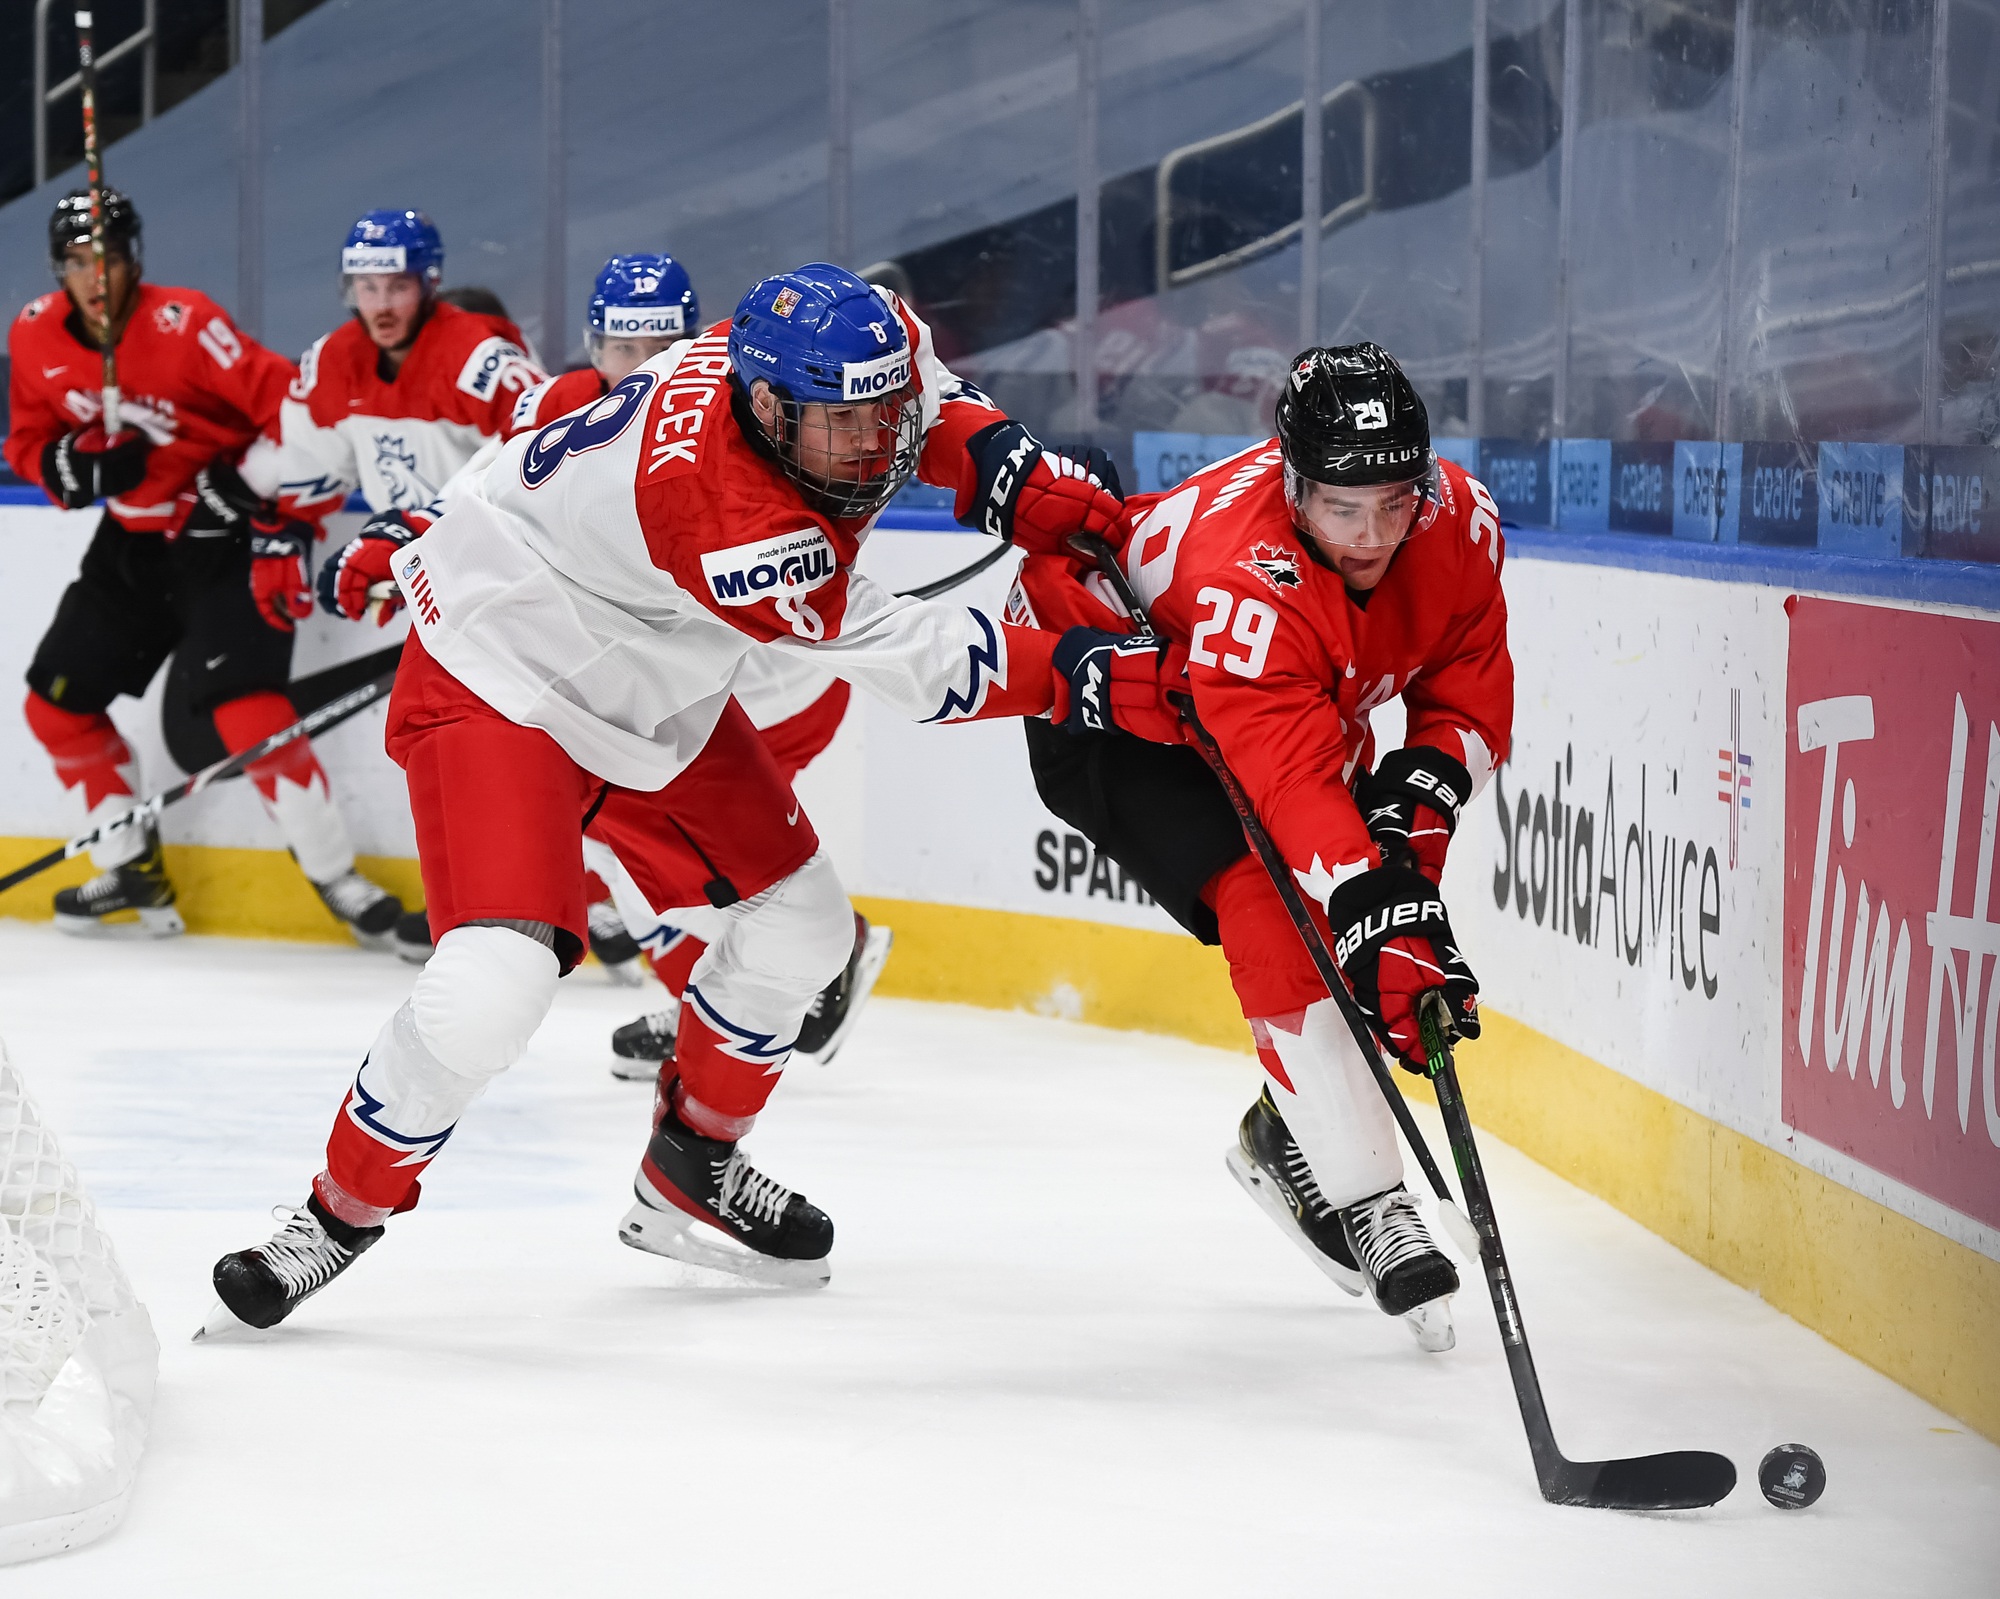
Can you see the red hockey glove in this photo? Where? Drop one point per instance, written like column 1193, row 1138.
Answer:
column 1394, row 943
column 1036, row 496
column 278, row 572
column 1108, row 682
column 344, row 580
column 84, row 467
column 1411, row 803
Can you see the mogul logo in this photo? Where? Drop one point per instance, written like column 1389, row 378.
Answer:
column 494, row 363
column 643, row 321
column 359, row 258
column 791, row 565
column 868, row 380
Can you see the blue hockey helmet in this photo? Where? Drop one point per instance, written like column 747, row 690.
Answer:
column 644, row 296
column 393, row 241
column 822, row 337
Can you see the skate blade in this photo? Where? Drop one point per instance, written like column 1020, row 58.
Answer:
column 376, row 943
column 669, row 1233
column 222, row 1326
column 874, row 955
column 625, row 974
column 628, row 1070
column 1253, row 1183
column 1430, row 1324
column 157, row 921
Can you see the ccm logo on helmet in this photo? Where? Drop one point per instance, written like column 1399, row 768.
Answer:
column 864, row 380
column 1376, row 923
column 796, row 563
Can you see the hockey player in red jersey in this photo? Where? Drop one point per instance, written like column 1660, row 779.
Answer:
column 1303, row 583
column 392, row 403
column 180, row 562
column 577, row 618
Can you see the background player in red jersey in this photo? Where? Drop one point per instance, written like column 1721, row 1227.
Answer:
column 577, row 617
column 177, row 565
column 1303, row 582
column 392, row 402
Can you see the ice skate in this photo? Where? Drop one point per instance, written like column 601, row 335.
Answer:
column 370, row 911
column 617, row 951
column 638, row 1048
column 1406, row 1274
column 413, row 937
column 259, row 1287
column 691, row 1189
column 137, row 894
column 1267, row 1161
column 836, row 1007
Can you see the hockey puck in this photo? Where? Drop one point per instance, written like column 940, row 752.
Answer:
column 1792, row 1476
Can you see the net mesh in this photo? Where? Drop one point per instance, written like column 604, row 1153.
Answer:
column 58, row 1271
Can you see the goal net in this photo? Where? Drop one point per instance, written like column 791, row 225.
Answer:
column 78, row 1357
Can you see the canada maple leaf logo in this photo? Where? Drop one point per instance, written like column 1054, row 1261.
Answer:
column 1276, row 565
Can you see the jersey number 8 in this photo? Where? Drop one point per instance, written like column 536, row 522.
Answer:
column 590, row 430
column 1254, row 624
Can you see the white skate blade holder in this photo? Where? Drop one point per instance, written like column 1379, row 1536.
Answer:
column 155, row 921
column 680, row 1237
column 874, row 955
column 221, row 1326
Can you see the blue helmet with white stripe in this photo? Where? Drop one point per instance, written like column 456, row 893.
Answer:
column 394, row 242
column 646, row 296
column 821, row 337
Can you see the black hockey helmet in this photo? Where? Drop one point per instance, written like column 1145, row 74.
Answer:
column 69, row 224
column 1348, row 416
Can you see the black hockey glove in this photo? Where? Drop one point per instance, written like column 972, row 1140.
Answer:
column 1393, row 944
column 83, row 467
column 1037, row 496
column 1411, row 803
column 1108, row 682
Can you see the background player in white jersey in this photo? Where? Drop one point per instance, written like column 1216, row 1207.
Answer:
column 392, row 402
column 641, row 305
column 577, row 620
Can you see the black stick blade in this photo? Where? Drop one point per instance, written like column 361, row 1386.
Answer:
column 1683, row 1479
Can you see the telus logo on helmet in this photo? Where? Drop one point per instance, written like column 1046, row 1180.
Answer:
column 865, row 380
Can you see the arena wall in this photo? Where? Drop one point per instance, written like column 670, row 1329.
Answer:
column 1736, row 800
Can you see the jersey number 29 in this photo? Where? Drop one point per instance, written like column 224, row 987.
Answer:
column 1254, row 623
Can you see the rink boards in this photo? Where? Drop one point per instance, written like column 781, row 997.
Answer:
column 1713, row 784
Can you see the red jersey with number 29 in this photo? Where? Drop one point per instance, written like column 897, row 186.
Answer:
column 1285, row 665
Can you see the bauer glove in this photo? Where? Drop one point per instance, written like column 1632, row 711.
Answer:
column 84, row 467
column 1109, row 682
column 344, row 581
column 1411, row 803
column 1393, row 944
column 1034, row 495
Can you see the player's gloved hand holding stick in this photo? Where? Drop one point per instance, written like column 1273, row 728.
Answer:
column 351, row 582
column 1678, row 1480
column 83, row 466
column 278, row 545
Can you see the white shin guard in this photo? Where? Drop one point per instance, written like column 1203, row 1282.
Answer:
column 128, row 843
column 775, row 951
column 312, row 828
column 1334, row 1106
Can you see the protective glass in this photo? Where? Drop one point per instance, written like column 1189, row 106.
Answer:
column 849, row 460
column 617, row 355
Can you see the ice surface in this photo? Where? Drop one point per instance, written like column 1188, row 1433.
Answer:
column 1061, row 1353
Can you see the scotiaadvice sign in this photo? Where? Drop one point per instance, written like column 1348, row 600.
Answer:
column 1892, row 934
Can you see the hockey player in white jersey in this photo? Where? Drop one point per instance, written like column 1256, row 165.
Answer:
column 577, row 622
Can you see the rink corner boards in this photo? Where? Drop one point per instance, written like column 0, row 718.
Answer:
column 1918, row 1307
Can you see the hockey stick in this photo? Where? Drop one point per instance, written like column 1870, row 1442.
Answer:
column 94, row 159
column 329, row 715
column 1095, row 550
column 1681, row 1479
column 951, row 580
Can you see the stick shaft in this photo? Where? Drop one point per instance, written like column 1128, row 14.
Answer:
column 94, row 158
